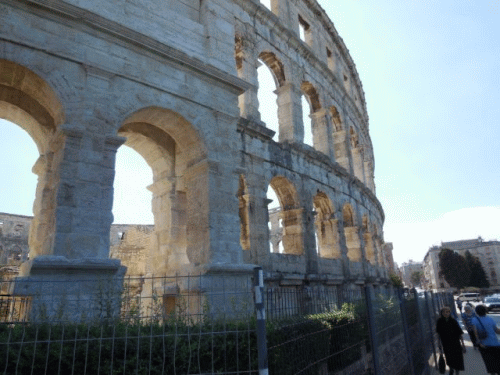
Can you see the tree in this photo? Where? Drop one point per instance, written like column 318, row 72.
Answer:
column 416, row 277
column 396, row 280
column 454, row 268
column 477, row 276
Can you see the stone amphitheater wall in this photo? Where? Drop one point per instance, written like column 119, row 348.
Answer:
column 176, row 80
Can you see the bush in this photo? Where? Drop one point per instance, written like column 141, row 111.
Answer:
column 129, row 348
column 305, row 344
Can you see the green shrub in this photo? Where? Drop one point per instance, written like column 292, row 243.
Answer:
column 129, row 348
column 309, row 342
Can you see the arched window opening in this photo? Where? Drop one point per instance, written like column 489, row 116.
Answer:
column 275, row 223
column 132, row 199
column 305, row 33
column 268, row 106
column 311, row 97
column 307, row 121
column 351, row 235
column 285, row 218
column 18, row 155
column 266, row 3
column 326, row 227
column 168, row 145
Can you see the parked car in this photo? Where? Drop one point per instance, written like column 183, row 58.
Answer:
column 492, row 303
column 466, row 297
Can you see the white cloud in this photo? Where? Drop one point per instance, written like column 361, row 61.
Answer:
column 412, row 240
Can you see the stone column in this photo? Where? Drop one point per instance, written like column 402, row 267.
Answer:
column 341, row 149
column 322, row 134
column 309, row 238
column 358, row 164
column 292, row 231
column 370, row 248
column 291, row 128
column 169, row 209
column 369, row 177
column 353, row 244
column 328, row 237
column 246, row 65
column 41, row 233
column 75, row 276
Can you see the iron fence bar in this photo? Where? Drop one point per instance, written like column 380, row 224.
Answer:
column 431, row 325
column 261, row 320
column 406, row 332
column 419, row 315
column 372, row 328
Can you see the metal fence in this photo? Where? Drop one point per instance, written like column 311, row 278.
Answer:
column 218, row 324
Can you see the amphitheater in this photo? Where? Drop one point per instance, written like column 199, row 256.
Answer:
column 176, row 80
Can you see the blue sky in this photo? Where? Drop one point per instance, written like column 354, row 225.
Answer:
column 431, row 76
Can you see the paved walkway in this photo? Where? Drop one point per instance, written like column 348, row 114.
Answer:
column 474, row 364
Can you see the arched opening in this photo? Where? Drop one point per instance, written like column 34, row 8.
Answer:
column 266, row 3
column 18, row 155
column 271, row 75
column 27, row 101
column 275, row 223
column 310, row 99
column 351, row 234
column 171, row 148
column 285, row 219
column 326, row 227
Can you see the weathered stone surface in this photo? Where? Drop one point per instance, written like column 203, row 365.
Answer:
column 178, row 83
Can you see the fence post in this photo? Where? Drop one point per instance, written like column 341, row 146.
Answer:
column 260, row 309
column 372, row 328
column 406, row 332
column 431, row 323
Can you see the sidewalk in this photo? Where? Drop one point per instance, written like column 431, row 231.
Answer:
column 473, row 361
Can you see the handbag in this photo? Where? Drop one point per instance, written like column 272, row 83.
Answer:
column 441, row 364
column 481, row 334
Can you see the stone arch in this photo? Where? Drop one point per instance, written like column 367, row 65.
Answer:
column 244, row 213
column 326, row 227
column 275, row 66
column 312, row 96
column 27, row 100
column 337, row 119
column 290, row 214
column 174, row 151
column 351, row 234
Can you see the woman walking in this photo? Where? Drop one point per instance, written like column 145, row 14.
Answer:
column 485, row 330
column 467, row 317
column 451, row 341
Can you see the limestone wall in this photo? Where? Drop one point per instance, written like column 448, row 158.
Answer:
column 176, row 81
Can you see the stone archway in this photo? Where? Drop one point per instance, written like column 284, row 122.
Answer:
column 28, row 101
column 290, row 214
column 326, row 227
column 173, row 150
column 351, row 234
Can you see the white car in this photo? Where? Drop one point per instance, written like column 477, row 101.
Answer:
column 492, row 303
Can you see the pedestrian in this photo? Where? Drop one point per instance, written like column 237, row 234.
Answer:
column 485, row 330
column 459, row 304
column 467, row 317
column 451, row 341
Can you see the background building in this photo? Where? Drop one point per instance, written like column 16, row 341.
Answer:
column 488, row 253
column 407, row 269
